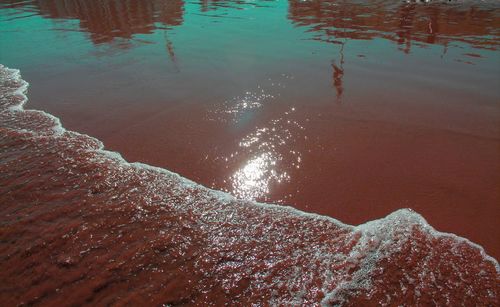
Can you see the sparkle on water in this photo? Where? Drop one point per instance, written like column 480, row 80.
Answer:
column 268, row 147
column 254, row 179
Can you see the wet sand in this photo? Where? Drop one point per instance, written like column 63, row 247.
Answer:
column 351, row 111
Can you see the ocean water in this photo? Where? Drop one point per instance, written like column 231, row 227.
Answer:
column 352, row 110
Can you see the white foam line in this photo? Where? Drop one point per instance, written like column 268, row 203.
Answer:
column 368, row 229
column 21, row 91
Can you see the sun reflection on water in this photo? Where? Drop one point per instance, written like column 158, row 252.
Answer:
column 253, row 180
column 272, row 155
column 234, row 110
column 268, row 155
column 238, row 109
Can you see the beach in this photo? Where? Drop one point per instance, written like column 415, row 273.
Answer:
column 177, row 142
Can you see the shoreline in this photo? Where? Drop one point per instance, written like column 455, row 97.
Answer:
column 224, row 196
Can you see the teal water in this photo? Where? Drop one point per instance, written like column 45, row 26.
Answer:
column 243, row 42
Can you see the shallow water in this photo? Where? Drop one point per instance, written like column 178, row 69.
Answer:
column 352, row 110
